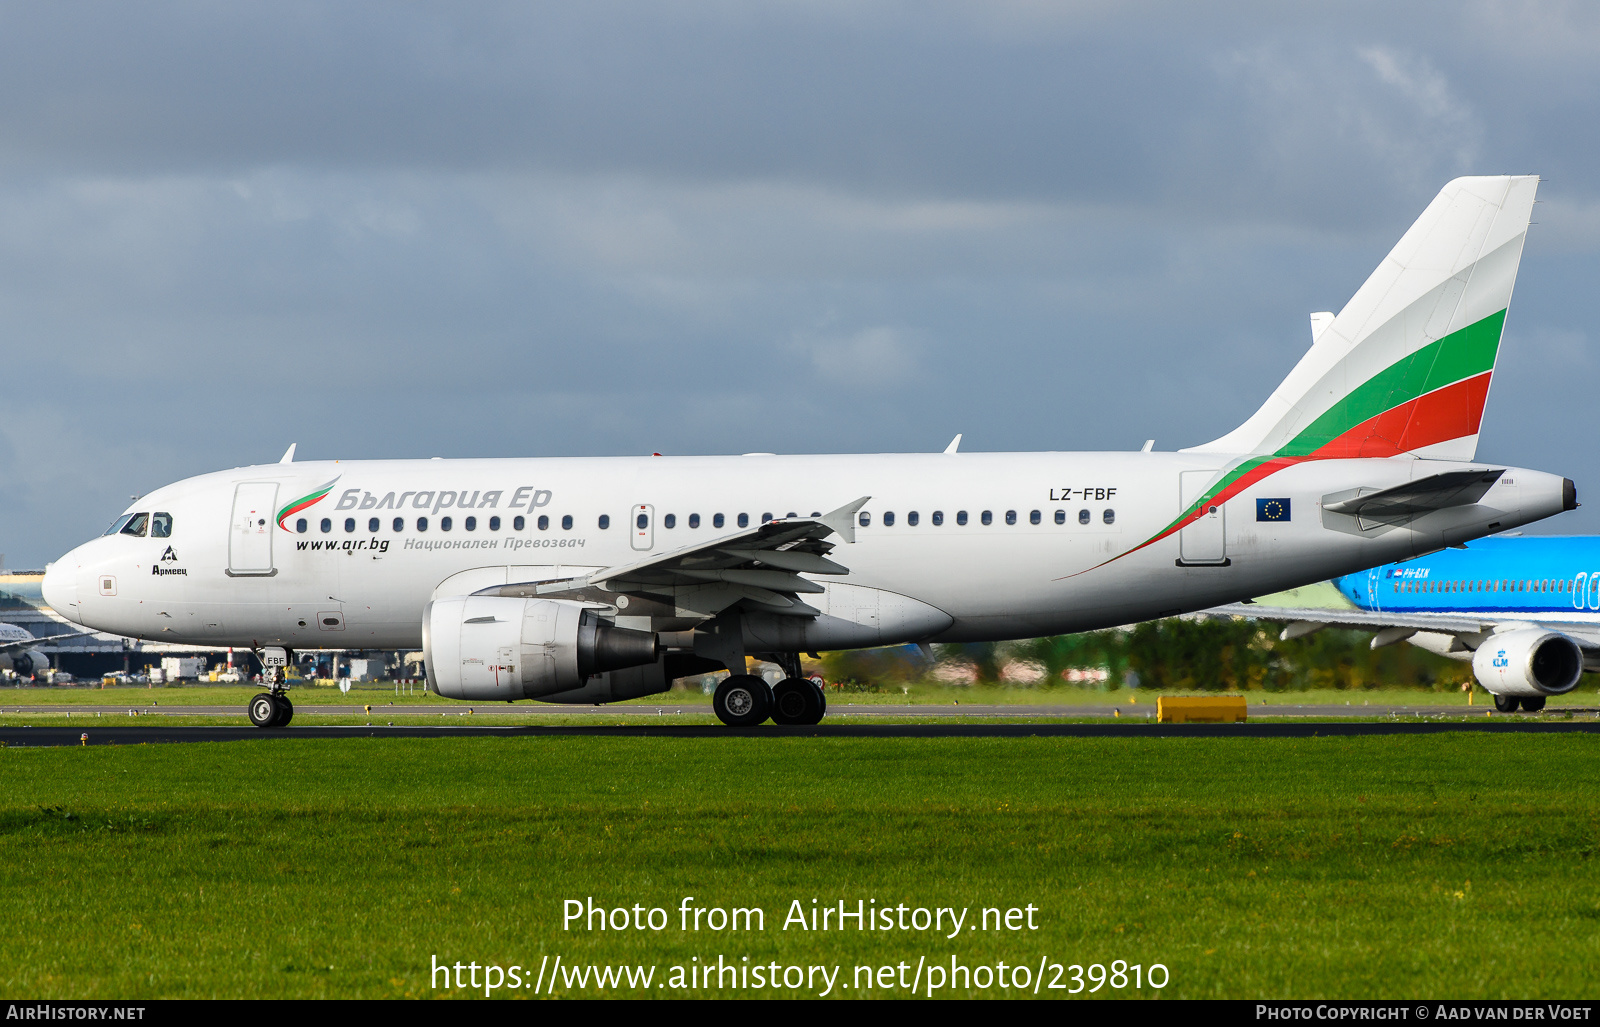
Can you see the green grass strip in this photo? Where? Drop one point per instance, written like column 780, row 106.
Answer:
column 1405, row 867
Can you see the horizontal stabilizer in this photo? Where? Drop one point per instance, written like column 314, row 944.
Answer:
column 1405, row 503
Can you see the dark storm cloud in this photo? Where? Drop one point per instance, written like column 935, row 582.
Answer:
column 397, row 229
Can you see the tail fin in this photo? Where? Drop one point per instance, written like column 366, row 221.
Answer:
column 1405, row 367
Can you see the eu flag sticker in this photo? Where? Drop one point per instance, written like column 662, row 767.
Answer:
column 1272, row 509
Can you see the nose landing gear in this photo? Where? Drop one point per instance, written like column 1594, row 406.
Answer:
column 272, row 708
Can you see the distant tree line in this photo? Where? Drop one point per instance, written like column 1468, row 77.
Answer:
column 1210, row 654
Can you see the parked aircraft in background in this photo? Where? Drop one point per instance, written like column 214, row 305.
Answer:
column 1525, row 611
column 17, row 652
column 593, row 580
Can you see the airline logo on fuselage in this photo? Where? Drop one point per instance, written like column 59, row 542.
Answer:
column 527, row 497
column 168, row 557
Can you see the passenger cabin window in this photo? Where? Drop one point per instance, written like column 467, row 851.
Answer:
column 519, row 522
column 717, row 520
column 471, row 524
column 670, row 521
column 694, row 520
column 1061, row 517
column 1110, row 517
column 399, row 524
column 1083, row 517
column 765, row 518
column 373, row 524
column 160, row 525
column 987, row 517
column 937, row 518
column 326, row 525
column 605, row 521
column 566, row 522
column 445, row 523
column 349, row 524
column 888, row 519
column 422, row 524
column 643, row 521
column 543, row 522
column 911, row 519
column 961, row 517
column 1034, row 517
column 300, row 525
column 139, row 522
column 494, row 523
column 744, row 520
column 1011, row 517
column 864, row 519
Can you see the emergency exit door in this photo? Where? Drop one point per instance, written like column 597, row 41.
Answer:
column 250, row 534
column 1203, row 540
column 644, row 526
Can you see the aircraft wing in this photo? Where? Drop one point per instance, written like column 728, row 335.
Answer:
column 1369, row 620
column 760, row 565
column 21, row 644
column 1393, row 626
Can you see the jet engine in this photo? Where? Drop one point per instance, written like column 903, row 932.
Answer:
column 29, row 663
column 1528, row 662
column 503, row 648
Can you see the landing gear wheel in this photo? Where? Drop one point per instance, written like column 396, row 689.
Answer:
column 264, row 710
column 285, row 711
column 797, row 701
column 1506, row 703
column 742, row 700
column 1533, row 705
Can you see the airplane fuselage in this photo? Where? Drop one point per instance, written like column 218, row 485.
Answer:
column 950, row 547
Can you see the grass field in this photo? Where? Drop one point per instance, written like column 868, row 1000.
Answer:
column 1399, row 866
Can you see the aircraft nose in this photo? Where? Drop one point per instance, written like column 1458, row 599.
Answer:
column 60, row 587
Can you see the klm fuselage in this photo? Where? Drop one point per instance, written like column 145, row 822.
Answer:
column 950, row 547
column 1552, row 579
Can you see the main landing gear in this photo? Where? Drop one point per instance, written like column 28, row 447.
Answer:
column 1510, row 703
column 744, row 700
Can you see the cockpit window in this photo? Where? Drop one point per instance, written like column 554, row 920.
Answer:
column 137, row 525
column 160, row 525
column 117, row 524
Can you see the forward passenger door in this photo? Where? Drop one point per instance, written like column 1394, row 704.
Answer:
column 250, row 534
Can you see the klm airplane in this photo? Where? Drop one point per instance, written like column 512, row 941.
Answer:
column 1524, row 611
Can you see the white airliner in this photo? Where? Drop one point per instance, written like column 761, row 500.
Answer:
column 594, row 580
column 17, row 652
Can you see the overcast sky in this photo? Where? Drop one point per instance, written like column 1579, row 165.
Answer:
column 391, row 229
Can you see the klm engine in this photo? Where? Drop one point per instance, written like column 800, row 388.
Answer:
column 1528, row 662
column 503, row 648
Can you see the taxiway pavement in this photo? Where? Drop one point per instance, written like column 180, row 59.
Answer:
column 63, row 735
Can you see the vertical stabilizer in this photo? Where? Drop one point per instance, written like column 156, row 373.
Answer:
column 1404, row 368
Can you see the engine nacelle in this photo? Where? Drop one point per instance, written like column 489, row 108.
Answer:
column 502, row 648
column 29, row 663
column 1528, row 662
